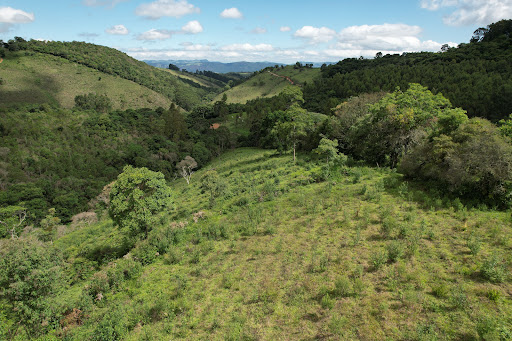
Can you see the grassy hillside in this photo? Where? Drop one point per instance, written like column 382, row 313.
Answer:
column 41, row 78
column 116, row 63
column 282, row 255
column 191, row 77
column 266, row 84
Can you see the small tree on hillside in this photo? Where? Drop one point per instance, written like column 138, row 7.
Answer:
column 12, row 218
column 186, row 168
column 136, row 198
column 212, row 183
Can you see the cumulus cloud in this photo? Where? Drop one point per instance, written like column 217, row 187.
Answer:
column 315, row 35
column 248, row 47
column 117, row 30
column 9, row 15
column 155, row 34
column 106, row 3
column 470, row 12
column 231, row 13
column 285, row 29
column 192, row 27
column 259, row 30
column 366, row 40
column 166, row 8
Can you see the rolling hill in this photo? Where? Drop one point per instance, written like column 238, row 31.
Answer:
column 37, row 78
column 105, row 60
column 269, row 82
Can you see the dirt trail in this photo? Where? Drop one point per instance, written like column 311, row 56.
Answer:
column 285, row 77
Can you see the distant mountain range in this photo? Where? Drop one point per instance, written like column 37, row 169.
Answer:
column 218, row 67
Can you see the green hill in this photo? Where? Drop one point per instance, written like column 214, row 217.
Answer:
column 269, row 82
column 476, row 76
column 41, row 78
column 283, row 255
column 112, row 62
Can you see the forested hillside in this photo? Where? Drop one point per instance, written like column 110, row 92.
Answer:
column 475, row 76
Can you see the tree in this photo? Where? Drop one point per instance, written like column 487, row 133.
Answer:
column 399, row 121
column 49, row 223
column 473, row 161
column 174, row 67
column 329, row 150
column 136, row 198
column 30, row 276
column 211, row 182
column 185, row 168
column 12, row 218
column 290, row 132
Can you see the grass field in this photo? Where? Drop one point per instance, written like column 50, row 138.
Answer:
column 197, row 80
column 267, row 85
column 283, row 255
column 39, row 78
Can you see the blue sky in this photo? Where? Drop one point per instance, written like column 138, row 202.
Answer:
column 253, row 30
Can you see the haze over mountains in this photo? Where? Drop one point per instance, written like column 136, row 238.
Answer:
column 218, row 67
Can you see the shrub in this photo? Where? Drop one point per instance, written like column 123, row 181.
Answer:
column 342, row 287
column 378, row 259
column 395, row 250
column 493, row 269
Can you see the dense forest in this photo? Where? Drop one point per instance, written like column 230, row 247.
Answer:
column 474, row 76
column 372, row 202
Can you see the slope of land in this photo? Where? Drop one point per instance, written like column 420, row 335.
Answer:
column 269, row 82
column 283, row 255
column 116, row 63
column 39, row 78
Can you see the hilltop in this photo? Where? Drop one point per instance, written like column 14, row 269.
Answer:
column 86, row 62
column 269, row 82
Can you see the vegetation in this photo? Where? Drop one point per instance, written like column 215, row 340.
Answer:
column 386, row 216
column 475, row 76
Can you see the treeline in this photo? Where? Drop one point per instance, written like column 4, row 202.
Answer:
column 476, row 76
column 117, row 63
column 57, row 158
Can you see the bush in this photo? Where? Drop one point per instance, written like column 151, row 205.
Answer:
column 474, row 160
column 493, row 269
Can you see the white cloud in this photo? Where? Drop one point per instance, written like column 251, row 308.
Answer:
column 9, row 15
column 248, row 47
column 117, row 30
column 315, row 35
column 166, row 8
column 155, row 34
column 231, row 13
column 106, row 3
column 196, row 47
column 285, row 29
column 192, row 27
column 259, row 30
column 471, row 12
column 367, row 40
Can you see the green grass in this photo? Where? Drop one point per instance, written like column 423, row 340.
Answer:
column 267, row 85
column 282, row 255
column 38, row 78
column 191, row 77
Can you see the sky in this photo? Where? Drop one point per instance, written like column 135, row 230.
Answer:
column 282, row 31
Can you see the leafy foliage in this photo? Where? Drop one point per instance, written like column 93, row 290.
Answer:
column 30, row 275
column 137, row 196
column 476, row 77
